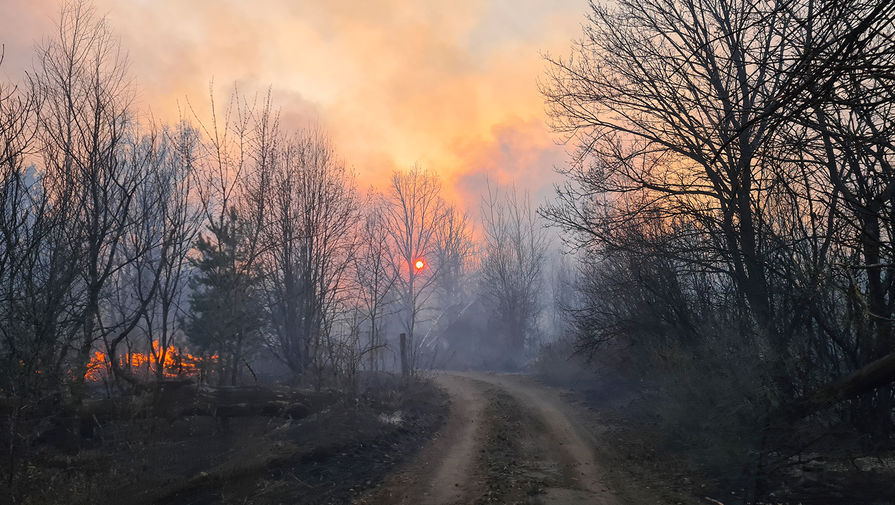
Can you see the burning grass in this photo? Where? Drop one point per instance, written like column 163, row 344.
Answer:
column 174, row 363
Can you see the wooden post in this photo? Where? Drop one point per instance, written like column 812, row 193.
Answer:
column 404, row 370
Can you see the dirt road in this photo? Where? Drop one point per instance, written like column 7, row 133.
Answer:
column 507, row 440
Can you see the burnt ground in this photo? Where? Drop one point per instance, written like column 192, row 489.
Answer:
column 638, row 461
column 499, row 439
column 646, row 465
column 327, row 457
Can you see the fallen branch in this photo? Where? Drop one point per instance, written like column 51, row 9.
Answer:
column 867, row 378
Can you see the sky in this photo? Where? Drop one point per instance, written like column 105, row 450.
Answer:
column 452, row 86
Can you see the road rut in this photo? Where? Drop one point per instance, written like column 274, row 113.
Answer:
column 553, row 450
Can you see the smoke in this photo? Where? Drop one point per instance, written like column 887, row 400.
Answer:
column 451, row 86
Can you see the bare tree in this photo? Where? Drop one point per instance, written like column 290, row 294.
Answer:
column 35, row 281
column 171, row 223
column 308, row 237
column 175, row 184
column 413, row 212
column 375, row 276
column 82, row 79
column 842, row 122
column 454, row 249
column 688, row 147
column 514, row 252
column 133, row 285
column 732, row 190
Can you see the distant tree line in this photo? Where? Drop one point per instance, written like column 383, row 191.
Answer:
column 731, row 201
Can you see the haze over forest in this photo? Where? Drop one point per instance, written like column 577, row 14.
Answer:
column 621, row 252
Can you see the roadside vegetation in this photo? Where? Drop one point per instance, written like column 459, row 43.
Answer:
column 730, row 205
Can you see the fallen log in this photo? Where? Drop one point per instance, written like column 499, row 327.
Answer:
column 867, row 378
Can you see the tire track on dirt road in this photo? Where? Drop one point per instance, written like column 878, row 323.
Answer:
column 444, row 472
column 551, row 448
column 559, row 450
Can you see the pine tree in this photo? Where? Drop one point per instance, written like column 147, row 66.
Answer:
column 225, row 310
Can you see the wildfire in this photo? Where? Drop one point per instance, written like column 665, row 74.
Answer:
column 175, row 363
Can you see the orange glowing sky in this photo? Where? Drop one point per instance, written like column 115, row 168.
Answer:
column 451, row 85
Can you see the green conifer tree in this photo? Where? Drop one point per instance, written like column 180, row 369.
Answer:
column 225, row 311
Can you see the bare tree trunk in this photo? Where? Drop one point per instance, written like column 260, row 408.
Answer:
column 405, row 365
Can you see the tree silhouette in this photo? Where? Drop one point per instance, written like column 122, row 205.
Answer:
column 225, row 310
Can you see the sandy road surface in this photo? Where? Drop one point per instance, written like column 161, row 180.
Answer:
column 444, row 471
column 550, row 452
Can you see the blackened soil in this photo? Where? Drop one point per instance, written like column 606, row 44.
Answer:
column 325, row 458
column 336, row 454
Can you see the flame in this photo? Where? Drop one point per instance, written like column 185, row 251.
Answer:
column 97, row 365
column 176, row 363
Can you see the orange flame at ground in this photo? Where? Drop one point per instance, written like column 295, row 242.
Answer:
column 175, row 363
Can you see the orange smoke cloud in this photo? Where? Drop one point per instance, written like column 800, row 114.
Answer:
column 451, row 85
